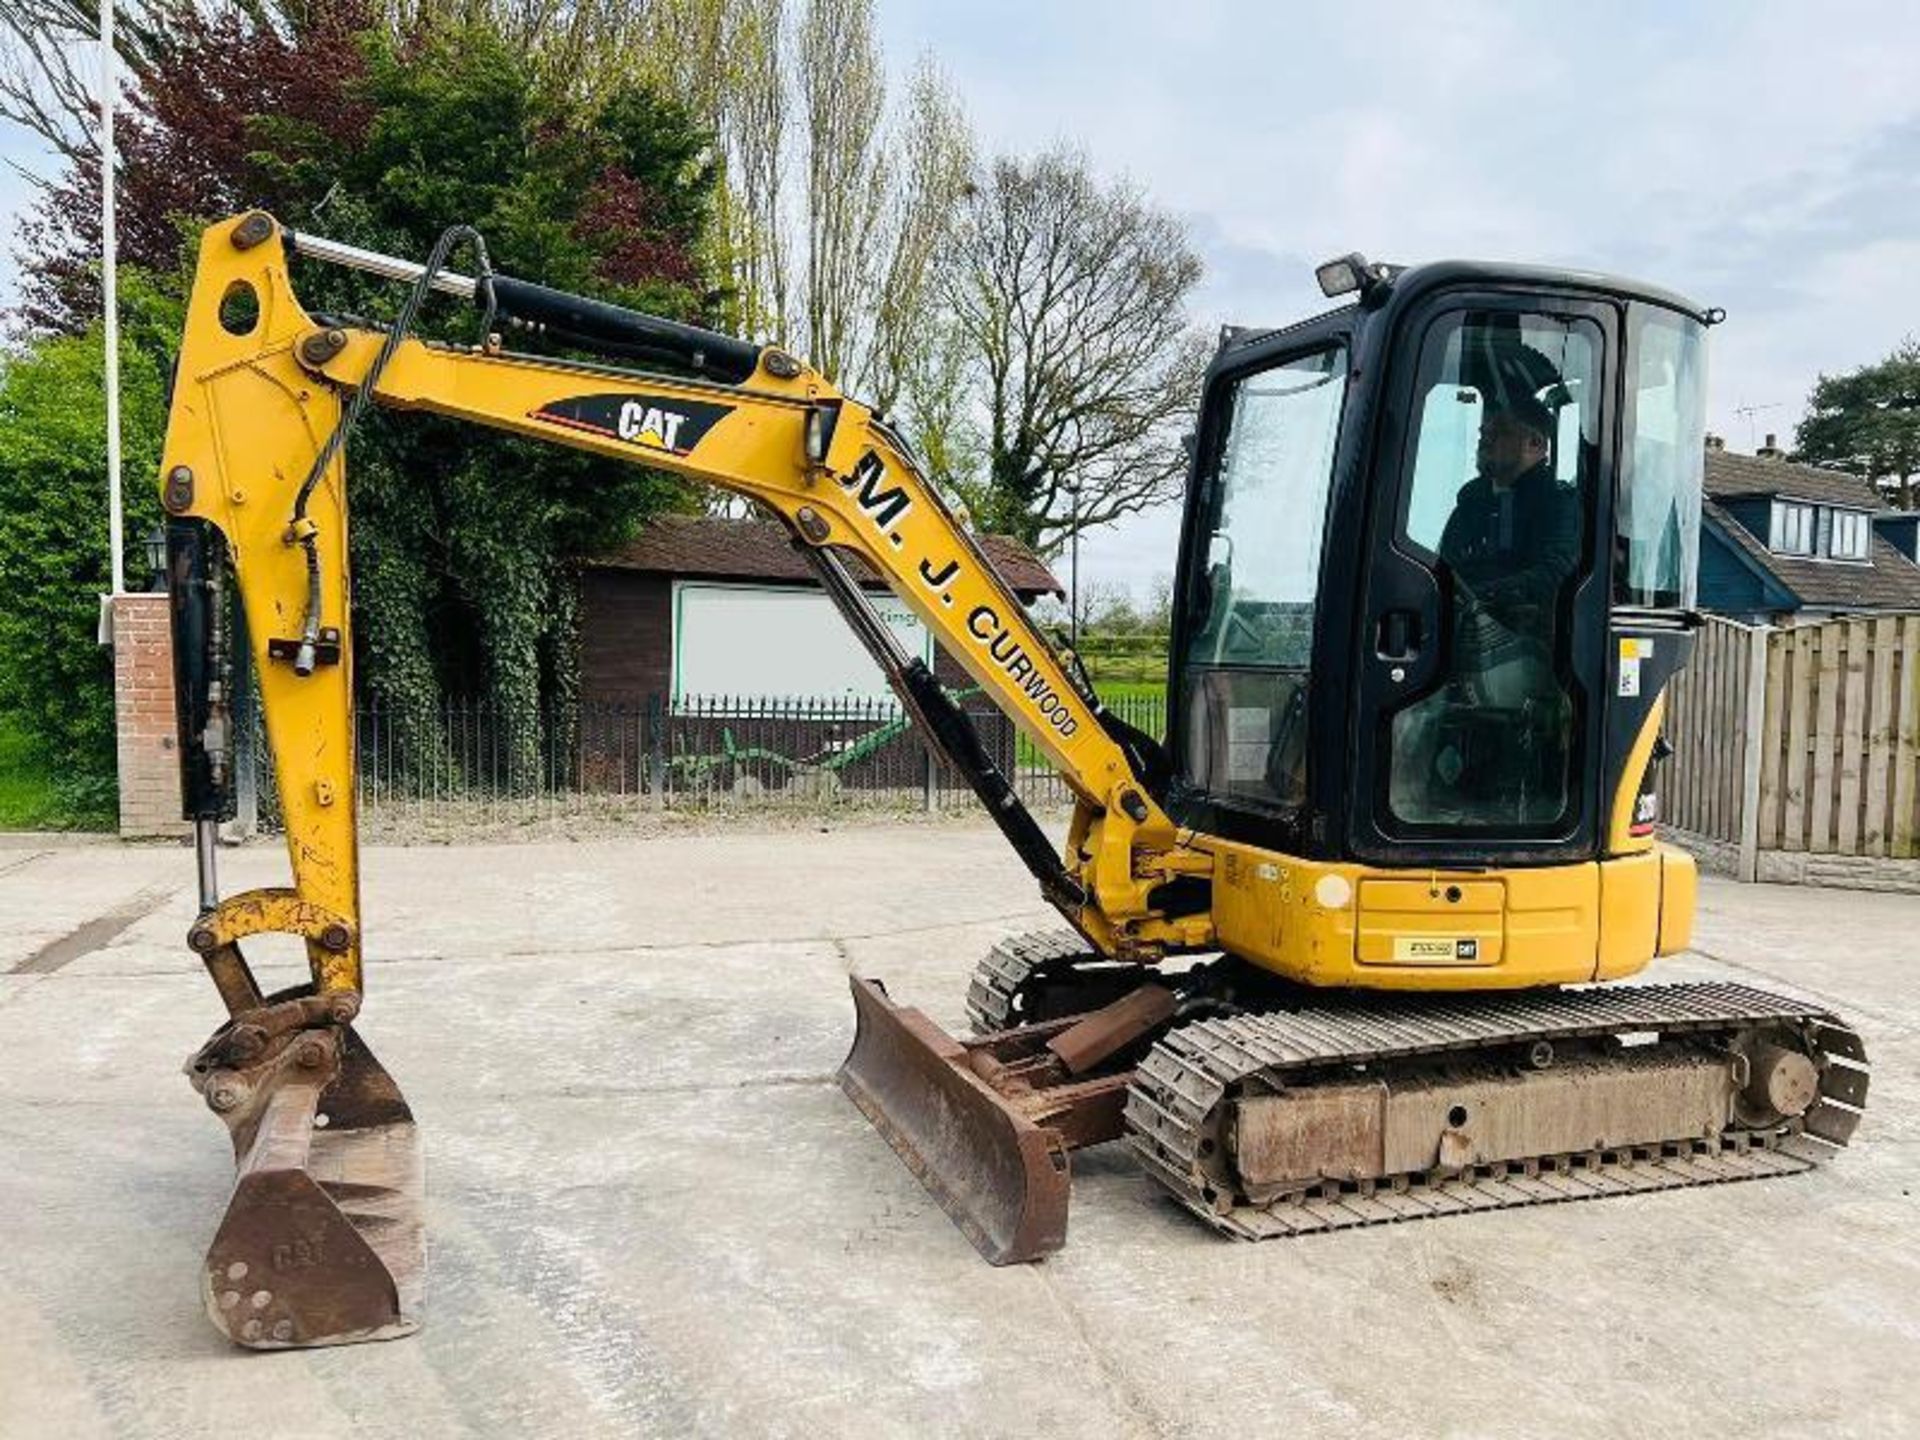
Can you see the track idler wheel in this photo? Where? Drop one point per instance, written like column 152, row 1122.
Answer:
column 322, row 1242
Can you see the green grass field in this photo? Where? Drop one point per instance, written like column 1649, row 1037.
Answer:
column 1131, row 677
column 27, row 798
column 32, row 799
column 1113, row 691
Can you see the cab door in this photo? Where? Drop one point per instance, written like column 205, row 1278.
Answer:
column 1247, row 621
column 1477, row 701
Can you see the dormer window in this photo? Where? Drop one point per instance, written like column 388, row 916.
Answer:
column 1792, row 528
column 1823, row 532
column 1847, row 539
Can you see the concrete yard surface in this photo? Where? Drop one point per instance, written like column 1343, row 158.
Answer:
column 652, row 1212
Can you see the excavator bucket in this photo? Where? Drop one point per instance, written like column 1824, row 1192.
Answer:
column 323, row 1241
column 1002, row 1178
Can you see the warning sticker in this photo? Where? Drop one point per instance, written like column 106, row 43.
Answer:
column 1249, row 738
column 1633, row 650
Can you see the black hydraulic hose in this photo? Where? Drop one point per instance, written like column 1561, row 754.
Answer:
column 302, row 531
column 305, row 657
column 956, row 737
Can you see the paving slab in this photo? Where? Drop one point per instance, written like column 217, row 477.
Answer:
column 48, row 892
column 652, row 1212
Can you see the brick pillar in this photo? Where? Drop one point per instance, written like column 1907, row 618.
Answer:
column 146, row 732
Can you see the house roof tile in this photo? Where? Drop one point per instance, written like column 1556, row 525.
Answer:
column 1889, row 581
column 1730, row 476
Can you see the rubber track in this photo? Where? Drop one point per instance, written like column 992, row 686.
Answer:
column 1179, row 1090
column 992, row 992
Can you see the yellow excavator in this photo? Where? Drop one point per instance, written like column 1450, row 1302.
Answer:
column 1327, row 949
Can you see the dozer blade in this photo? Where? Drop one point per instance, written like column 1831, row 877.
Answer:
column 323, row 1240
column 1002, row 1178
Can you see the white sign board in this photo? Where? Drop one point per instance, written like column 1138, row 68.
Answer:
column 770, row 642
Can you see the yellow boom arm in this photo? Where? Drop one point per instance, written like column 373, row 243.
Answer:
column 255, row 403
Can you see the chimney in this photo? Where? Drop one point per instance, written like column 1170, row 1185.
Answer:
column 1716, row 442
column 1769, row 451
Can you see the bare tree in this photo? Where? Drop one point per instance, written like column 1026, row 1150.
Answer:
column 49, row 65
column 936, row 402
column 1106, row 606
column 1159, row 612
column 935, row 169
column 753, row 130
column 835, row 205
column 835, row 254
column 843, row 91
column 1072, row 296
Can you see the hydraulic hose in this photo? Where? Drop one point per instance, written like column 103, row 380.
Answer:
column 302, row 531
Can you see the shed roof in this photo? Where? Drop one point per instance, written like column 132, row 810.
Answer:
column 715, row 546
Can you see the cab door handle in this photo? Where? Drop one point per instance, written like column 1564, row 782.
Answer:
column 1396, row 635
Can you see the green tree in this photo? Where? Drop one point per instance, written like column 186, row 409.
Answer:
column 1868, row 421
column 57, row 680
column 381, row 129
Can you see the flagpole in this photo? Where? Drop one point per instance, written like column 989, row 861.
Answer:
column 110, row 299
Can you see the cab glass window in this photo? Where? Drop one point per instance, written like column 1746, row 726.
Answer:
column 1249, row 638
column 1505, row 445
column 1657, row 550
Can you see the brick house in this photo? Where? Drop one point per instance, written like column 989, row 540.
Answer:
column 707, row 645
column 699, row 606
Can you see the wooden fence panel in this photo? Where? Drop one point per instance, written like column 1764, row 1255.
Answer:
column 1773, row 732
column 1799, row 681
column 1883, row 656
column 1822, row 762
column 1833, row 742
column 1706, row 725
column 1852, row 724
column 1739, row 660
column 1905, row 824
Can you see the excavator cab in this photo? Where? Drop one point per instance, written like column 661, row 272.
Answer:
column 1436, row 545
column 1436, row 570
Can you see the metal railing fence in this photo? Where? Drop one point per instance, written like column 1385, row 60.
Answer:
column 470, row 762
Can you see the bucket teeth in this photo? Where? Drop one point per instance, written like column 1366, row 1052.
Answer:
column 322, row 1242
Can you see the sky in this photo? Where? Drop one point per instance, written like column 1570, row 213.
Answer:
column 1761, row 157
column 1764, row 158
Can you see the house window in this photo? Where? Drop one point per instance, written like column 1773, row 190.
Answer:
column 1848, row 536
column 1792, row 528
